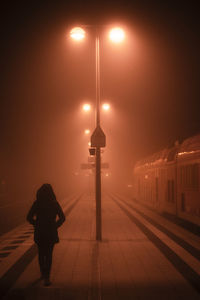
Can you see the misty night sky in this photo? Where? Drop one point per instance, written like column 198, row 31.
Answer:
column 151, row 82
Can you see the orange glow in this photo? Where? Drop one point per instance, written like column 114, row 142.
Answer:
column 106, row 106
column 77, row 33
column 117, row 35
column 89, row 144
column 86, row 107
column 87, row 131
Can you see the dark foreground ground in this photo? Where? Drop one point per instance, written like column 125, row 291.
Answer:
column 141, row 256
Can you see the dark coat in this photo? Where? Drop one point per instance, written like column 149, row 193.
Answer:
column 42, row 216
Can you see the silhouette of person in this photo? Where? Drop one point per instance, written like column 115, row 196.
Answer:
column 43, row 216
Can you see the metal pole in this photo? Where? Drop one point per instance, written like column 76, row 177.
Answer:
column 97, row 82
column 98, row 149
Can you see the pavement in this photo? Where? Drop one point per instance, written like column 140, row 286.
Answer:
column 141, row 256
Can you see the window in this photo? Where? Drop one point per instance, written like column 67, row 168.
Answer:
column 170, row 191
column 189, row 176
column 182, row 202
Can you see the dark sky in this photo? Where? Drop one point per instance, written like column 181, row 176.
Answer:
column 151, row 82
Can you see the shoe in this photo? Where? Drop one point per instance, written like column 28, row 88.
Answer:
column 47, row 282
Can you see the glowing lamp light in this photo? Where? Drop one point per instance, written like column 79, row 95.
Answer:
column 89, row 144
column 77, row 33
column 106, row 106
column 117, row 35
column 87, row 131
column 86, row 107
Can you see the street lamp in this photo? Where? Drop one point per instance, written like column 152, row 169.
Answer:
column 98, row 137
column 77, row 33
column 86, row 107
column 87, row 131
column 117, row 35
column 106, row 106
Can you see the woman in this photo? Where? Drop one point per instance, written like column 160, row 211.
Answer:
column 42, row 216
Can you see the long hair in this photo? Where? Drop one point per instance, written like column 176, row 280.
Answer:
column 45, row 194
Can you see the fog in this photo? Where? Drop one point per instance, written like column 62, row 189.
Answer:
column 47, row 79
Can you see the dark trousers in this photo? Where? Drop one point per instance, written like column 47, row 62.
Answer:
column 45, row 258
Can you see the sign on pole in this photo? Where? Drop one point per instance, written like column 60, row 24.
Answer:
column 98, row 138
column 92, row 151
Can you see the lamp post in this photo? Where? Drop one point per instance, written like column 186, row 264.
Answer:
column 98, row 149
column 98, row 137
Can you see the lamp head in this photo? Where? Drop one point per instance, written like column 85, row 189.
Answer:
column 117, row 35
column 86, row 107
column 77, row 33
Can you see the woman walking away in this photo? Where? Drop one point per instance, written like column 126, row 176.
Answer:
column 42, row 216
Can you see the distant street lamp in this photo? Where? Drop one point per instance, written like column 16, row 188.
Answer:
column 106, row 106
column 87, row 131
column 86, row 107
column 98, row 137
